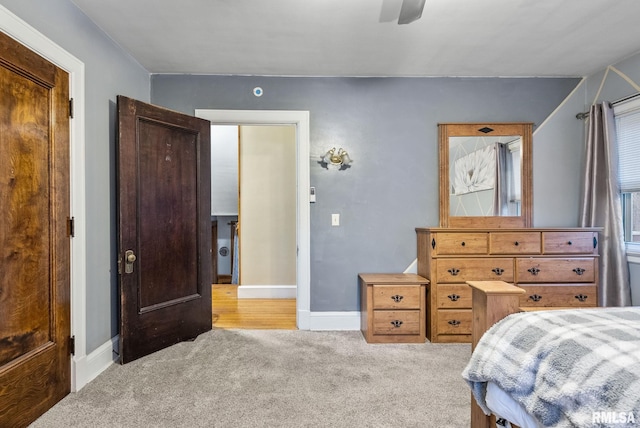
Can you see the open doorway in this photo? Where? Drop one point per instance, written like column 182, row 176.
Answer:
column 253, row 207
column 298, row 123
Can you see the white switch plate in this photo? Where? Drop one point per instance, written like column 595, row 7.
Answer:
column 335, row 219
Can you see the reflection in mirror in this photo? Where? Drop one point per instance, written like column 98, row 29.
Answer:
column 485, row 175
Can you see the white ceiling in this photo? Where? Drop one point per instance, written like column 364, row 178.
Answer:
column 360, row 37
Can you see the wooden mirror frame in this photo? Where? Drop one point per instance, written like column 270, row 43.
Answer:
column 446, row 130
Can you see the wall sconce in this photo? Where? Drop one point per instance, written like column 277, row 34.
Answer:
column 338, row 159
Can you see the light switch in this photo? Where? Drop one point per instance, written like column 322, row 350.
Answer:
column 335, row 219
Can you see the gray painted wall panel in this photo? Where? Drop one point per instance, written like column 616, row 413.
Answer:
column 389, row 127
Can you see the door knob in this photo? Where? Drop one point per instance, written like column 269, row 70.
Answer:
column 129, row 259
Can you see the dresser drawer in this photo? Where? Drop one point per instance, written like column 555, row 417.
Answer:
column 454, row 296
column 452, row 321
column 574, row 295
column 396, row 296
column 573, row 269
column 396, row 322
column 514, row 243
column 474, row 269
column 461, row 243
column 570, row 242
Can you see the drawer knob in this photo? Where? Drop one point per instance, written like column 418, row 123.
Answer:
column 581, row 297
column 579, row 271
column 396, row 323
column 397, row 298
column 535, row 297
column 454, row 323
column 516, row 243
column 454, row 271
column 533, row 271
column 497, row 271
column 453, row 297
column 463, row 244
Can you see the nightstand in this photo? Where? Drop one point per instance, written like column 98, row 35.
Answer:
column 392, row 307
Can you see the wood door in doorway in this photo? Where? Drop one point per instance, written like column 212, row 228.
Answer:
column 35, row 363
column 164, row 219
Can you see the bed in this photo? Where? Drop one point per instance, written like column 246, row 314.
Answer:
column 561, row 368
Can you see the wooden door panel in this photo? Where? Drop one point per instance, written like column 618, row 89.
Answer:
column 164, row 219
column 35, row 363
column 166, row 210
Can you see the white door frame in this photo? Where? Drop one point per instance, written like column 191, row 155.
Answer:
column 37, row 42
column 301, row 120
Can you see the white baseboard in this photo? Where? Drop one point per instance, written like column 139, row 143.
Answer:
column 334, row 320
column 87, row 368
column 267, row 292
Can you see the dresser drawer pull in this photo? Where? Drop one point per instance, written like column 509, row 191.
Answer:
column 569, row 243
column 516, row 243
column 433, row 243
column 396, row 323
column 533, row 271
column 454, row 323
column 535, row 297
column 463, row 244
column 579, row 271
column 498, row 271
column 453, row 297
column 454, row 271
column 397, row 298
column 582, row 297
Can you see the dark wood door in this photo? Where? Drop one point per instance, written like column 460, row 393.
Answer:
column 35, row 363
column 164, row 253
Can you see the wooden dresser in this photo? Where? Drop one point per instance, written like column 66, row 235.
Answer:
column 392, row 307
column 556, row 267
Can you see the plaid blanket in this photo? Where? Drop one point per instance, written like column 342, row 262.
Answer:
column 568, row 368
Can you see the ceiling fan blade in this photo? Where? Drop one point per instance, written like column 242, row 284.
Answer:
column 410, row 11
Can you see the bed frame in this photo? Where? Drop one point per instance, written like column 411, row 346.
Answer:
column 492, row 301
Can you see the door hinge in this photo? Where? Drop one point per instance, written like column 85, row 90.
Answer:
column 71, row 108
column 71, row 227
column 72, row 345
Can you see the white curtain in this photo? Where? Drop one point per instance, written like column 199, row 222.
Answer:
column 503, row 190
column 602, row 206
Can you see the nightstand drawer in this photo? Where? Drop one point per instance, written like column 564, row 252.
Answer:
column 452, row 321
column 396, row 296
column 396, row 322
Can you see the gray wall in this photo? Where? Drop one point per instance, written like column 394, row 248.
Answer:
column 109, row 71
column 389, row 128
column 387, row 124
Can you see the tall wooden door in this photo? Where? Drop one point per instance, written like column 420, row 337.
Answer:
column 164, row 254
column 35, row 363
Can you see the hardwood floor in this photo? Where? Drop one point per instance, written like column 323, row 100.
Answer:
column 231, row 312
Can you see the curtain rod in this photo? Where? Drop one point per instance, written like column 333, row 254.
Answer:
column 584, row 115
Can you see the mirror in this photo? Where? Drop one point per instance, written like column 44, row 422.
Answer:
column 485, row 175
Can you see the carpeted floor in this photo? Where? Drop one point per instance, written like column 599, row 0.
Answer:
column 277, row 378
